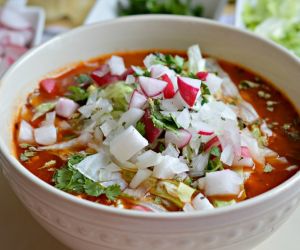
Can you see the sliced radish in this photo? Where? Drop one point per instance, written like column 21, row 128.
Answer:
column 169, row 91
column 46, row 135
column 127, row 144
column 158, row 70
column 152, row 132
column 25, row 133
column 212, row 142
column 152, row 87
column 48, row 85
column 116, row 65
column 13, row 19
column 140, row 176
column 202, row 75
column 189, row 89
column 137, row 100
column 179, row 138
column 224, row 182
column 141, row 208
column 66, row 107
column 102, row 76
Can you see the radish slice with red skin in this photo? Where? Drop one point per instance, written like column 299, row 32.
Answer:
column 141, row 208
column 212, row 142
column 152, row 87
column 102, row 76
column 48, row 85
column 137, row 100
column 179, row 138
column 202, row 75
column 152, row 132
column 169, row 91
column 201, row 132
column 189, row 89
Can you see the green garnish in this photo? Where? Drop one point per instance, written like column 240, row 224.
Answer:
column 159, row 120
column 177, row 7
column 205, row 93
column 83, row 79
column 214, row 163
column 71, row 180
column 141, row 128
column 77, row 93
column 27, row 155
column 173, row 62
column 43, row 109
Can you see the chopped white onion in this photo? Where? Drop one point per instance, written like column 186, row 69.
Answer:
column 200, row 202
column 127, row 143
column 131, row 117
column 116, row 65
column 66, row 107
column 224, row 182
column 45, row 135
column 25, row 133
column 140, row 176
column 148, row 159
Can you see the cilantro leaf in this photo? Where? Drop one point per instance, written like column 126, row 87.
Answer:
column 71, row 180
column 77, row 94
column 141, row 128
column 83, row 78
column 159, row 120
column 112, row 192
column 93, row 188
column 215, row 151
column 205, row 93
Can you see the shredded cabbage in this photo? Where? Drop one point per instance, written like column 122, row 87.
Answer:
column 275, row 19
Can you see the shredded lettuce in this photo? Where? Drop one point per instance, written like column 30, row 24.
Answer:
column 119, row 94
column 275, row 19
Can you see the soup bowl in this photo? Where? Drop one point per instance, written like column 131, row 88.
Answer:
column 81, row 224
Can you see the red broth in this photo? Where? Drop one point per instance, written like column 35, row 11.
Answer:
column 283, row 117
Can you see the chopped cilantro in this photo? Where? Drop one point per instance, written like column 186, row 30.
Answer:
column 173, row 62
column 71, row 180
column 28, row 153
column 205, row 93
column 77, row 94
column 141, row 128
column 215, row 151
column 112, row 192
column 161, row 147
column 83, row 79
column 159, row 120
column 48, row 164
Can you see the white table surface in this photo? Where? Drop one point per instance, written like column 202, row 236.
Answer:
column 19, row 231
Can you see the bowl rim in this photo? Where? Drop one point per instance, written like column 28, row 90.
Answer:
column 10, row 158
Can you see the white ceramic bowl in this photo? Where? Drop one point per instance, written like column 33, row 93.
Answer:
column 85, row 225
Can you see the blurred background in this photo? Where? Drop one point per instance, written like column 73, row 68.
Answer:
column 28, row 23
